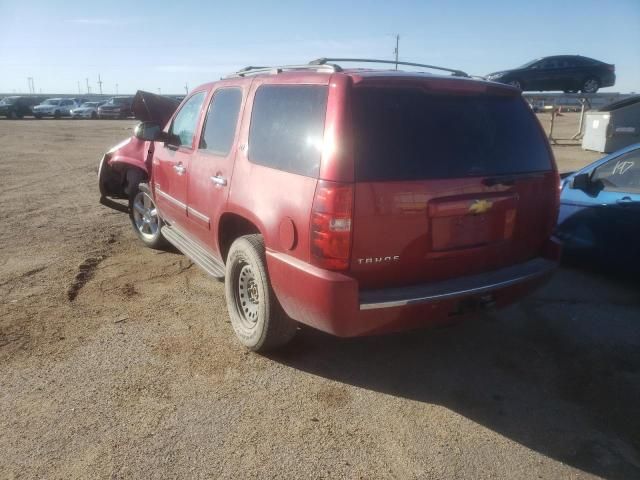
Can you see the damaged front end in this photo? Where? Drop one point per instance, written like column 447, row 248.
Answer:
column 128, row 163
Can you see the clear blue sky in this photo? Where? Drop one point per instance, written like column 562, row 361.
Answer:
column 151, row 45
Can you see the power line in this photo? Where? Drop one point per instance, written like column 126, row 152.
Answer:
column 397, row 49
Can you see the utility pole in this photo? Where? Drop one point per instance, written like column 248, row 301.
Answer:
column 100, row 84
column 79, row 90
column 116, row 89
column 88, row 87
column 32, row 86
column 186, row 88
column 159, row 91
column 396, row 50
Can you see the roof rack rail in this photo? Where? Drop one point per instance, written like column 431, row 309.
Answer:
column 325, row 61
column 252, row 70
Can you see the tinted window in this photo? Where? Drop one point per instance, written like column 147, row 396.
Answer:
column 287, row 127
column 551, row 63
column 408, row 134
column 185, row 122
column 621, row 173
column 222, row 118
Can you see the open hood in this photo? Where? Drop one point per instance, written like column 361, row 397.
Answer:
column 149, row 107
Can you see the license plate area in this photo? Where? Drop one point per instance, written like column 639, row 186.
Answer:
column 467, row 222
column 474, row 304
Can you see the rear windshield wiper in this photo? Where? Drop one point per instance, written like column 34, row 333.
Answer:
column 508, row 180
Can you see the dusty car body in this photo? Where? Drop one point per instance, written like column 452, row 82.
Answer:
column 306, row 188
column 599, row 219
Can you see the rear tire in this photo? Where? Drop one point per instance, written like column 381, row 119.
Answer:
column 13, row 115
column 256, row 315
column 38, row 116
column 145, row 219
column 56, row 115
column 590, row 85
column 94, row 115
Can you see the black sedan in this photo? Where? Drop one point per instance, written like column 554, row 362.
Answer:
column 567, row 73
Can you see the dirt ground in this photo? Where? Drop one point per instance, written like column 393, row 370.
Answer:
column 119, row 362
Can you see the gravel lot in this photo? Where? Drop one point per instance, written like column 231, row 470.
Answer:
column 119, row 362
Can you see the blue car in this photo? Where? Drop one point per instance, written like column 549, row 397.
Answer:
column 599, row 216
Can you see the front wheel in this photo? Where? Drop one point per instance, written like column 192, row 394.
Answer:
column 515, row 83
column 145, row 219
column 56, row 115
column 256, row 315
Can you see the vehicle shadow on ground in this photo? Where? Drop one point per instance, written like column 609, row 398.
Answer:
column 535, row 373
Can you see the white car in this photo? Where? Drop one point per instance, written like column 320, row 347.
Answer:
column 54, row 107
column 86, row 110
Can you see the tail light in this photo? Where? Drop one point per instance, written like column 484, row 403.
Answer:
column 612, row 68
column 331, row 217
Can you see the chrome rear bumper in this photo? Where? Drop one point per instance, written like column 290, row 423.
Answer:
column 457, row 287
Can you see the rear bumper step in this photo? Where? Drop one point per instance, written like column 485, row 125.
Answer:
column 195, row 252
column 459, row 287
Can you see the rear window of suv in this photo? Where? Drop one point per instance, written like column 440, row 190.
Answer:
column 287, row 127
column 411, row 134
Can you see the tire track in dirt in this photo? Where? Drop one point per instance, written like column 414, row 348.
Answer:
column 87, row 269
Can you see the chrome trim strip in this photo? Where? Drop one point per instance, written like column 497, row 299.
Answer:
column 170, row 198
column 471, row 285
column 197, row 214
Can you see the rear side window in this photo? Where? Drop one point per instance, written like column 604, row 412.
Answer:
column 222, row 118
column 287, row 127
column 409, row 134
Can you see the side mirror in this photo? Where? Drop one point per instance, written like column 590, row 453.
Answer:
column 582, row 181
column 148, row 131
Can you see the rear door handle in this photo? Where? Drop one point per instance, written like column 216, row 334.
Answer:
column 219, row 181
column 180, row 169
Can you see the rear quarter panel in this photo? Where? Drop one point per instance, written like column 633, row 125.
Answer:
column 268, row 197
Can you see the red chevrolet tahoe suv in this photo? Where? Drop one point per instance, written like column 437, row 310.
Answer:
column 355, row 201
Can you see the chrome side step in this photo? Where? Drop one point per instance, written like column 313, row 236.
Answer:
column 195, row 252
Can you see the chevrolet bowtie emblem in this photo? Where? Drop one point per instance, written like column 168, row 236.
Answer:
column 480, row 206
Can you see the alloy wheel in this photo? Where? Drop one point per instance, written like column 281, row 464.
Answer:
column 145, row 216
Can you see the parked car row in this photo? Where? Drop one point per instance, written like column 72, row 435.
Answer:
column 15, row 107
